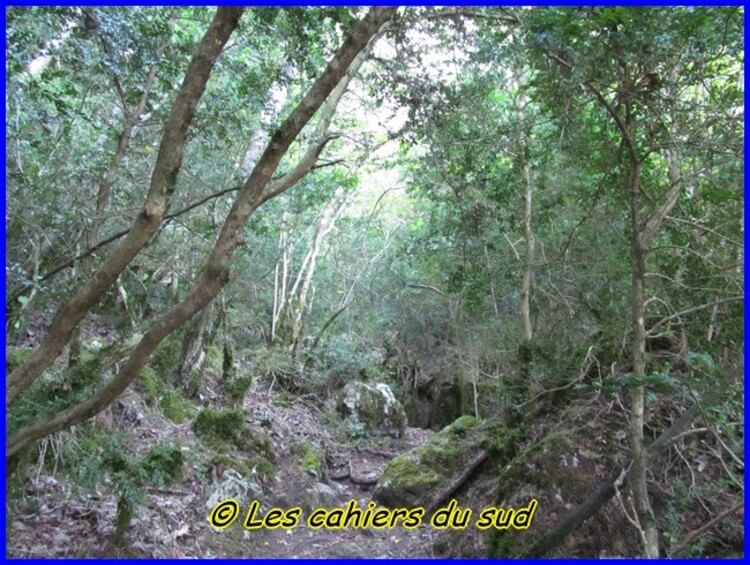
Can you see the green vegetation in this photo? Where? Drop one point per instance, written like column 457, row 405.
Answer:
column 229, row 428
column 175, row 407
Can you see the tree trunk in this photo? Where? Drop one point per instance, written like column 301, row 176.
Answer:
column 528, row 236
column 637, row 394
column 289, row 309
column 194, row 351
column 299, row 303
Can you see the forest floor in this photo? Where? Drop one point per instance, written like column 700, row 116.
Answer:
column 57, row 518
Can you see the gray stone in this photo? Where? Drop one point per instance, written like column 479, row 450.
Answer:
column 373, row 404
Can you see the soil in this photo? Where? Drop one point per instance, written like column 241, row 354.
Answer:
column 58, row 518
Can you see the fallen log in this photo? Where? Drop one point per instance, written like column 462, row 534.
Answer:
column 456, row 483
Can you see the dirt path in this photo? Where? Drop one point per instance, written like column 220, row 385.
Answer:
column 55, row 518
column 304, row 541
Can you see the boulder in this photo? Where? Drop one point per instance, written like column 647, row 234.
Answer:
column 374, row 405
column 326, row 496
column 414, row 478
column 234, row 485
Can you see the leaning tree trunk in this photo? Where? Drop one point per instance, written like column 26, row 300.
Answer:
column 163, row 182
column 290, row 308
column 215, row 274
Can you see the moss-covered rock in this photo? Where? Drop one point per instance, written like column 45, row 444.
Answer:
column 263, row 469
column 414, row 478
column 373, row 404
column 230, row 427
column 219, row 425
column 310, row 458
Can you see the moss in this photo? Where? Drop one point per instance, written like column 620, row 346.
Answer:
column 414, row 476
column 220, row 425
column 222, row 460
column 16, row 357
column 507, row 543
column 237, row 388
column 166, row 359
column 262, row 468
column 122, row 524
column 511, row 470
column 464, row 423
column 311, row 460
column 229, row 427
column 228, row 370
column 214, row 356
column 175, row 407
column 54, row 393
column 149, row 385
column 500, row 442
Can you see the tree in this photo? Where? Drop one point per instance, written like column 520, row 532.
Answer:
column 257, row 189
column 627, row 61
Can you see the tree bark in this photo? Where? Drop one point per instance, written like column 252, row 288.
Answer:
column 528, row 234
column 299, row 303
column 216, row 271
column 163, row 181
column 637, row 394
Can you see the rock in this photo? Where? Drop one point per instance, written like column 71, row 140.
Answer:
column 327, row 497
column 437, row 402
column 374, row 405
column 310, row 494
column 235, row 486
column 414, row 478
column 348, row 550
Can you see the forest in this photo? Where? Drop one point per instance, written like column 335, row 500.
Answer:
column 374, row 282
